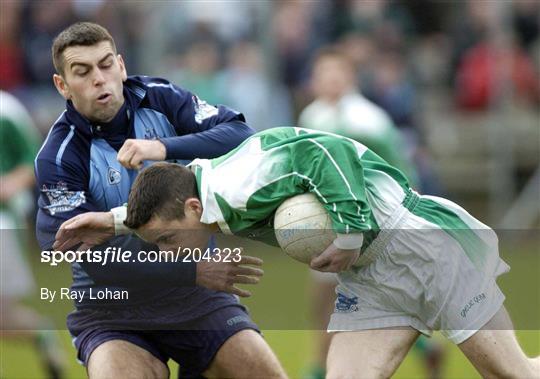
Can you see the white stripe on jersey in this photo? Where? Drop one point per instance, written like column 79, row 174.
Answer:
column 338, row 170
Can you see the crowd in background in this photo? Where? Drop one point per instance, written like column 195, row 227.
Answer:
column 418, row 60
column 459, row 82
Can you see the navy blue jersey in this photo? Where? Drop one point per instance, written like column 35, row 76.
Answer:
column 77, row 171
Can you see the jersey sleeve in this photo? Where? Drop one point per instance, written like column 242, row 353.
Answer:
column 204, row 130
column 330, row 167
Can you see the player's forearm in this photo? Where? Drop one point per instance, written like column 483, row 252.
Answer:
column 210, row 143
column 96, row 231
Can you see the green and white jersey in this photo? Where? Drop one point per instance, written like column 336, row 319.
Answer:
column 356, row 117
column 242, row 189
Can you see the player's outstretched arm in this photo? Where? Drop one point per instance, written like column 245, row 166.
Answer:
column 87, row 229
column 95, row 228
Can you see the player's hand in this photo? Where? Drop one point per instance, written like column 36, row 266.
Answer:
column 88, row 229
column 134, row 151
column 222, row 276
column 334, row 259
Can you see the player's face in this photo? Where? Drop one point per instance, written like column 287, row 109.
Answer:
column 331, row 79
column 93, row 80
column 187, row 232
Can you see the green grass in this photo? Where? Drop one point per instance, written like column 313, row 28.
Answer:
column 293, row 347
column 280, row 306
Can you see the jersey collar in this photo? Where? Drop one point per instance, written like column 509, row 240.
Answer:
column 211, row 212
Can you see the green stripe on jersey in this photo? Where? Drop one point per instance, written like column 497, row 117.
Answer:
column 473, row 246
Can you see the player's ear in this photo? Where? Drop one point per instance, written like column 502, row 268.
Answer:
column 123, row 70
column 193, row 206
column 61, row 86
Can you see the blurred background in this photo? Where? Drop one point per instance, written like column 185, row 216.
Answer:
column 458, row 80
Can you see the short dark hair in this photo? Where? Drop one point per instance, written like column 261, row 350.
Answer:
column 161, row 190
column 333, row 52
column 78, row 34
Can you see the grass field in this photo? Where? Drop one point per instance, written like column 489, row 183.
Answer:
column 280, row 306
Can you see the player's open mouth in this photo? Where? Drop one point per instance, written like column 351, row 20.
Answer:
column 102, row 99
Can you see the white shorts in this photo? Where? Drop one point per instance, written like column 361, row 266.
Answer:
column 16, row 279
column 435, row 270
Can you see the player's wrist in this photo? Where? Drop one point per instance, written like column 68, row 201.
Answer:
column 349, row 241
column 160, row 150
column 119, row 215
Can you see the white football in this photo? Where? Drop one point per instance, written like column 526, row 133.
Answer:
column 303, row 227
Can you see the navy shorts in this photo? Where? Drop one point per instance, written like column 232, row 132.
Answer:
column 192, row 344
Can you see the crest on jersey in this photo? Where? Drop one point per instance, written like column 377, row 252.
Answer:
column 150, row 133
column 203, row 110
column 346, row 304
column 113, row 176
column 61, row 199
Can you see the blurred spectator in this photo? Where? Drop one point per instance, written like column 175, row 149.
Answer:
column 493, row 65
column 488, row 72
column 389, row 21
column 18, row 146
column 12, row 74
column 297, row 36
column 41, row 21
column 245, row 86
column 340, row 108
column 391, row 87
column 474, row 21
column 198, row 70
column 360, row 49
column 44, row 20
column 526, row 22
column 231, row 20
column 180, row 23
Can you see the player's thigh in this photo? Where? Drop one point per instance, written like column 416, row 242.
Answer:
column 245, row 355
column 122, row 359
column 373, row 353
column 495, row 351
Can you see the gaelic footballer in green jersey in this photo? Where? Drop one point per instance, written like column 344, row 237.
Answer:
column 424, row 263
column 241, row 190
column 373, row 211
column 365, row 197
